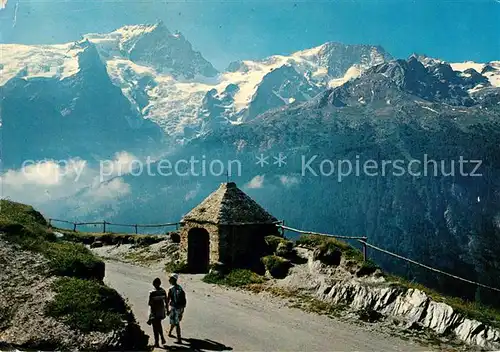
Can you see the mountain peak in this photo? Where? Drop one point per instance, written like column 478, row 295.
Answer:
column 155, row 46
column 340, row 57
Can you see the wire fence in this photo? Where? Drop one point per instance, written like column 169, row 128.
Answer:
column 364, row 241
column 281, row 224
column 105, row 225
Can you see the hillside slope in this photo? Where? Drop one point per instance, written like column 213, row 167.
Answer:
column 51, row 292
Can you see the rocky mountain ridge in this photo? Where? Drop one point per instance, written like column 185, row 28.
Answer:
column 166, row 81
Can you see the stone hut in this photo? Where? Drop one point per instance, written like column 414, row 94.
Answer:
column 227, row 227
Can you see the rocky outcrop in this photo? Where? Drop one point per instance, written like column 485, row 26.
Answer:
column 415, row 307
column 374, row 293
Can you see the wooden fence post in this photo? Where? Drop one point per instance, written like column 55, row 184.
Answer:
column 50, row 223
column 74, row 227
column 104, row 226
column 135, row 228
column 365, row 253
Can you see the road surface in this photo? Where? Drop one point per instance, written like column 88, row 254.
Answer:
column 219, row 319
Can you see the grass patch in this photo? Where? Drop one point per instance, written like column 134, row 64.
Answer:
column 471, row 310
column 143, row 257
column 311, row 304
column 88, row 305
column 277, row 266
column 273, row 242
column 329, row 244
column 178, row 267
column 110, row 238
column 23, row 225
column 21, row 213
column 235, row 278
column 75, row 260
column 27, row 237
column 300, row 300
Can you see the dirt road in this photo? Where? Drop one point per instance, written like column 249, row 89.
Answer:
column 219, row 319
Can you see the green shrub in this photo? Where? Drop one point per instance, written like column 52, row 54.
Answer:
column 277, row 266
column 235, row 278
column 88, row 305
column 177, row 267
column 175, row 237
column 273, row 242
column 285, row 249
column 243, row 277
column 73, row 259
column 214, row 277
column 329, row 244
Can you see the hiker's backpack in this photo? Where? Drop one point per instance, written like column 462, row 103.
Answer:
column 178, row 296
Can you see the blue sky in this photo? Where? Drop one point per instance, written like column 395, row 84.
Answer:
column 230, row 30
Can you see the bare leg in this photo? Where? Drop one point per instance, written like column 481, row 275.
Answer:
column 160, row 330
column 178, row 330
column 170, row 331
column 156, row 331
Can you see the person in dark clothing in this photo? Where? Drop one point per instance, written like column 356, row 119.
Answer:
column 157, row 311
column 176, row 302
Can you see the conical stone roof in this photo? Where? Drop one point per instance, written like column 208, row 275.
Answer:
column 229, row 205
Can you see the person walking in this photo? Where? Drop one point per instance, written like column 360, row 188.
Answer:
column 157, row 309
column 176, row 303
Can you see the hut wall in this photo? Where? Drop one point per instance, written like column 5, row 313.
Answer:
column 213, row 231
column 243, row 246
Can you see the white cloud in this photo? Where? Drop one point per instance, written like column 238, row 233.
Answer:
column 109, row 190
column 123, row 164
column 59, row 186
column 289, row 181
column 46, row 180
column 256, row 182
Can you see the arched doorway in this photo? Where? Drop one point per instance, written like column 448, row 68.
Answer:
column 198, row 250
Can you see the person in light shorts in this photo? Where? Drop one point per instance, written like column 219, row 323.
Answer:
column 175, row 316
column 176, row 302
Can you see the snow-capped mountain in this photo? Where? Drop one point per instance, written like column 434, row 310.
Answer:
column 168, row 82
column 154, row 46
column 490, row 70
column 67, row 106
